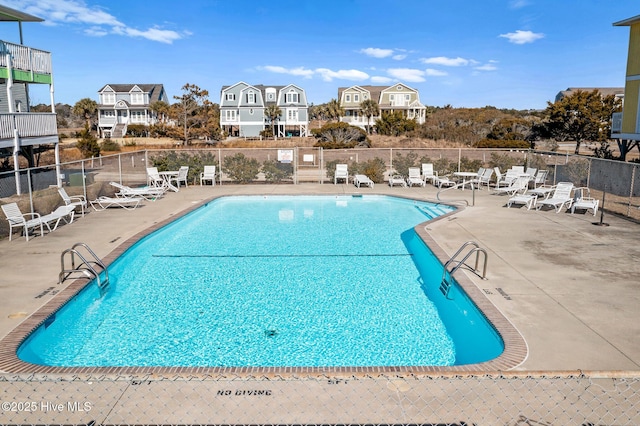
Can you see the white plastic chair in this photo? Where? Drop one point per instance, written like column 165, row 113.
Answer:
column 183, row 173
column 560, row 197
column 209, row 174
column 17, row 219
column 73, row 200
column 414, row 177
column 428, row 174
column 341, row 173
column 582, row 200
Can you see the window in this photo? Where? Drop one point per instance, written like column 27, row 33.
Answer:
column 229, row 96
column 392, row 98
column 356, row 98
column 292, row 97
column 137, row 98
column 108, row 113
column 292, row 114
column 109, row 98
column 251, row 98
column 347, row 98
column 270, row 96
column 137, row 116
column 230, row 115
column 407, row 97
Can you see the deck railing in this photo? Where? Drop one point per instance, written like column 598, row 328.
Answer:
column 25, row 58
column 28, row 124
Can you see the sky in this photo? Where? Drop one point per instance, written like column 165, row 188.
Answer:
column 465, row 53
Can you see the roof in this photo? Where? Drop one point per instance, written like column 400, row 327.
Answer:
column 627, row 22
column 604, row 91
column 8, row 14
column 154, row 90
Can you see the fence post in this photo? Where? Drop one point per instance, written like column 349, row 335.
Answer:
column 633, row 179
column 30, row 190
column 120, row 168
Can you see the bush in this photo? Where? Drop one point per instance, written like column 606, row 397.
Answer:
column 374, row 169
column 137, row 130
column 503, row 161
column 240, row 168
column 87, row 143
column 110, row 145
column 339, row 136
column 173, row 161
column 402, row 163
column 275, row 171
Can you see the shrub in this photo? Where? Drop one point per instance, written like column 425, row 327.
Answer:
column 137, row 130
column 502, row 143
column 87, row 143
column 173, row 161
column 240, row 168
column 340, row 135
column 503, row 161
column 275, row 171
column 402, row 163
column 374, row 169
column 110, row 145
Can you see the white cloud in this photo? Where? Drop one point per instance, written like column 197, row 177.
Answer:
column 376, row 52
column 435, row 73
column 407, row 74
column 518, row 4
column 399, row 57
column 298, row 72
column 100, row 23
column 443, row 60
column 522, row 37
column 330, row 75
column 490, row 66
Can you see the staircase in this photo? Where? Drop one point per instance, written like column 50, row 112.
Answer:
column 118, row 130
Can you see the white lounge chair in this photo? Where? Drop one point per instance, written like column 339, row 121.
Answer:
column 127, row 203
column 183, row 174
column 540, row 178
column 508, row 178
column 582, row 200
column 359, row 180
column 397, row 180
column 341, row 173
column 17, row 219
column 445, row 181
column 518, row 185
column 414, row 177
column 483, row 178
column 147, row 192
column 560, row 197
column 63, row 213
column 529, row 200
column 73, row 200
column 209, row 174
column 428, row 174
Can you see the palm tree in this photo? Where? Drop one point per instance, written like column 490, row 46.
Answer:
column 334, row 110
column 369, row 108
column 86, row 108
column 272, row 113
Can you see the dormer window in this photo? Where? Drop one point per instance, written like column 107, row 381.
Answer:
column 347, row 98
column 137, row 98
column 229, row 96
column 108, row 98
column 251, row 98
column 292, row 97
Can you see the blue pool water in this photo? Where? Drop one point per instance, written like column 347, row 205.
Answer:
column 274, row 281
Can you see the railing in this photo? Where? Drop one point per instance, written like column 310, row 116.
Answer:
column 28, row 124
column 25, row 58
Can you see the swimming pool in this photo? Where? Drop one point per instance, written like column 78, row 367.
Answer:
column 299, row 281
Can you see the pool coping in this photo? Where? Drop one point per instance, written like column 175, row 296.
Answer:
column 515, row 348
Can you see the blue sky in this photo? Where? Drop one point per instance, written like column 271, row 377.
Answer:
column 466, row 53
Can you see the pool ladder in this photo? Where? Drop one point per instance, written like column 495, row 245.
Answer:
column 447, row 275
column 81, row 267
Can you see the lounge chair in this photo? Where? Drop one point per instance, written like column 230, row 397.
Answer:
column 73, row 200
column 127, row 203
column 428, row 174
column 540, row 178
column 17, row 219
column 414, row 177
column 359, row 180
column 209, row 174
column 560, row 197
column 520, row 184
column 508, row 178
column 183, row 174
column 341, row 173
column 529, row 200
column 63, row 213
column 445, row 181
column 397, row 180
column 483, row 178
column 151, row 193
column 582, row 200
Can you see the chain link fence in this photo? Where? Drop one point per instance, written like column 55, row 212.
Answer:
column 488, row 399
column 616, row 184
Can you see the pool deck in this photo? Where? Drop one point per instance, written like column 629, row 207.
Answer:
column 569, row 287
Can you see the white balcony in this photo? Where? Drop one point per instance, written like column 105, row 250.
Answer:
column 25, row 63
column 30, row 127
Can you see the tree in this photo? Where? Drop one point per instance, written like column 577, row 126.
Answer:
column 161, row 109
column 583, row 116
column 87, row 143
column 272, row 113
column 394, row 124
column 369, row 109
column 192, row 112
column 87, row 109
column 333, row 110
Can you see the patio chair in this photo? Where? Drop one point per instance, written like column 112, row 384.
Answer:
column 63, row 213
column 125, row 202
column 428, row 174
column 341, row 173
column 560, row 197
column 17, row 219
column 582, row 200
column 540, row 178
column 483, row 178
column 518, row 185
column 359, row 180
column 154, row 178
column 209, row 174
column 183, row 174
column 414, row 177
column 445, row 181
column 508, row 178
column 151, row 193
column 73, row 200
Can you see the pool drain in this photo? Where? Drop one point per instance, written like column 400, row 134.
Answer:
column 270, row 333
